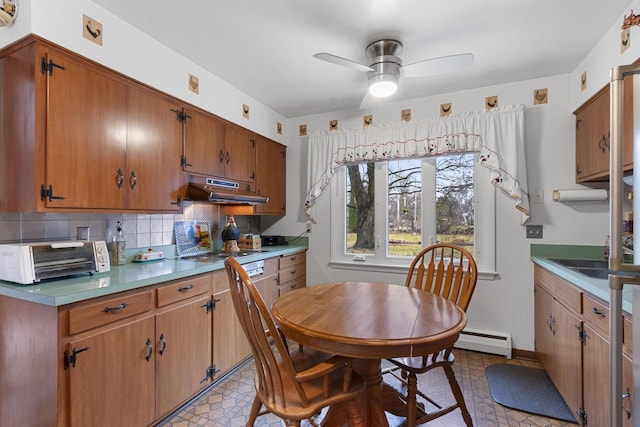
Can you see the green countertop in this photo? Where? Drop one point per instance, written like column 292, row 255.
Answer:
column 542, row 255
column 126, row 277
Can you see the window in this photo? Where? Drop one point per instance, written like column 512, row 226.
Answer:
column 386, row 212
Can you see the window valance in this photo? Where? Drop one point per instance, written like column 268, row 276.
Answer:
column 498, row 135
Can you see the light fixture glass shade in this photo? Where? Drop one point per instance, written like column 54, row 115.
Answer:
column 383, row 88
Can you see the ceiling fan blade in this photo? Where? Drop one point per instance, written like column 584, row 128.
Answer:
column 370, row 101
column 440, row 65
column 342, row 61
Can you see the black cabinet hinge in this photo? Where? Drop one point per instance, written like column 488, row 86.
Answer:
column 582, row 415
column 210, row 305
column 47, row 67
column 183, row 162
column 47, row 193
column 211, row 372
column 178, row 201
column 582, row 334
column 70, row 358
column 181, row 116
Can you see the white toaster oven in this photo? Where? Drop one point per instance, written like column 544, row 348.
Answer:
column 27, row 263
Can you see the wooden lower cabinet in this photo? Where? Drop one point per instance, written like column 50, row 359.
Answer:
column 137, row 360
column 572, row 343
column 292, row 272
column 182, row 355
column 558, row 347
column 111, row 381
column 230, row 345
column 267, row 282
column 596, row 379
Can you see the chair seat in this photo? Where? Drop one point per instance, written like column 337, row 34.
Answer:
column 314, row 390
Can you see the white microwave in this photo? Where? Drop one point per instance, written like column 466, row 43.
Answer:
column 28, row 263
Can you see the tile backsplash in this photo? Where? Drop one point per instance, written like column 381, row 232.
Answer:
column 140, row 230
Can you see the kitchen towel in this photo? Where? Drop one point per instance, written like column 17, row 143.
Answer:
column 526, row 389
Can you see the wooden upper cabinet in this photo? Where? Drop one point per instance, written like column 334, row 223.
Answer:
column 80, row 136
column 85, row 135
column 593, row 136
column 271, row 178
column 154, row 146
column 204, row 151
column 240, row 154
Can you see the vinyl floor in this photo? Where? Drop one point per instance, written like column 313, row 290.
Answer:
column 228, row 403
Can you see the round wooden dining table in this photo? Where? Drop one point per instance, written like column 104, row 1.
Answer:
column 369, row 322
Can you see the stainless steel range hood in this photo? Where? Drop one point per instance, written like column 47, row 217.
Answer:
column 223, row 192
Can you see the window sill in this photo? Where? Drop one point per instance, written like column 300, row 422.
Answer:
column 389, row 268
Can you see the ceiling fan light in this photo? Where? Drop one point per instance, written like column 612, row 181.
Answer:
column 383, row 88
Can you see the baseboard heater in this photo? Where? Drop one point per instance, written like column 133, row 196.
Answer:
column 486, row 342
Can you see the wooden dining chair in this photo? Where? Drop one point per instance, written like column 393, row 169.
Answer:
column 449, row 271
column 293, row 386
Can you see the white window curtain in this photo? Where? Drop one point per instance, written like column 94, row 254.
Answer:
column 498, row 135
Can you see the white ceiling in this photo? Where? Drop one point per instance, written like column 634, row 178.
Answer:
column 264, row 47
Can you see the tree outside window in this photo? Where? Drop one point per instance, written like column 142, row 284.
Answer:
column 410, row 204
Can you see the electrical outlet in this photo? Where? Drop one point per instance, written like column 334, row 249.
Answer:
column 308, row 227
column 534, row 231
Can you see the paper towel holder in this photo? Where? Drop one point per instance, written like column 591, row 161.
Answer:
column 580, row 195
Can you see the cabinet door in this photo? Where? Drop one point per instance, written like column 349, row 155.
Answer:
column 154, row 147
column 183, row 353
column 271, row 177
column 268, row 288
column 544, row 333
column 596, row 379
column 112, row 382
column 584, row 123
column 240, row 154
column 204, row 151
column 85, row 137
column 230, row 344
column 567, row 351
column 627, row 386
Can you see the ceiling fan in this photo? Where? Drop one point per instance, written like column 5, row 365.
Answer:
column 386, row 67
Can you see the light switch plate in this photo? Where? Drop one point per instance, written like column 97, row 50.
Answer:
column 534, row 231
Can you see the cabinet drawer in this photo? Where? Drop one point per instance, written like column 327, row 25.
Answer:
column 289, row 260
column 627, row 336
column 291, row 286
column 183, row 289
column 101, row 313
column 560, row 289
column 597, row 314
column 294, row 272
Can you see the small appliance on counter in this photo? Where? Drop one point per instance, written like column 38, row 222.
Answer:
column 28, row 263
column 273, row 241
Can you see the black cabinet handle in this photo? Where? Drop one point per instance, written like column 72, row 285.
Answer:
column 120, row 179
column 163, row 340
column 595, row 310
column 116, row 308
column 150, row 349
column 133, row 180
column 185, row 288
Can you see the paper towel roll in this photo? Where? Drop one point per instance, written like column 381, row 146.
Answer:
column 580, row 195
